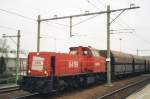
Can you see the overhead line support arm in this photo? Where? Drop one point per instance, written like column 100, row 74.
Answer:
column 87, row 14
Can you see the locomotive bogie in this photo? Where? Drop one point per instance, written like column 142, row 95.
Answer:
column 36, row 84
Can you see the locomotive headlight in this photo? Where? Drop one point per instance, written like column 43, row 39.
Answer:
column 45, row 72
column 29, row 71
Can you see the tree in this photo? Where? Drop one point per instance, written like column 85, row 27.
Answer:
column 2, row 65
column 4, row 48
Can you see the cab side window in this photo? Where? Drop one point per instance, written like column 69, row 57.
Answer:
column 95, row 53
column 74, row 52
column 86, row 52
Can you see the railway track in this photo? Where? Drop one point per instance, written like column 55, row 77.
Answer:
column 123, row 92
column 114, row 93
column 26, row 96
column 9, row 89
column 14, row 92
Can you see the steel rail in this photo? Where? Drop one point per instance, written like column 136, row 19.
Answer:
column 9, row 89
column 121, row 89
column 26, row 96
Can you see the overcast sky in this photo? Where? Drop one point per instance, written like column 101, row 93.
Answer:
column 55, row 34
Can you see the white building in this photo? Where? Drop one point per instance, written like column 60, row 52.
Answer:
column 10, row 60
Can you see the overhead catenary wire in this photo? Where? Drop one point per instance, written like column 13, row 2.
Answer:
column 127, row 26
column 26, row 17
column 56, row 23
column 78, row 15
column 123, row 30
column 116, row 17
column 13, row 41
column 141, row 38
column 17, row 14
column 84, row 20
column 29, row 18
column 60, row 29
column 130, row 28
column 92, row 4
column 100, row 2
column 54, row 38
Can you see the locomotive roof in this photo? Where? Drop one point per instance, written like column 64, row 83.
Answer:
column 122, row 54
column 84, row 47
column 115, row 53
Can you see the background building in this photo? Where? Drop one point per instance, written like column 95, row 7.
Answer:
column 10, row 60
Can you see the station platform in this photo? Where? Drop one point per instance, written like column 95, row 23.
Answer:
column 143, row 93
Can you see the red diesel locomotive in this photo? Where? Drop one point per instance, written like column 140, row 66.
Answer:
column 50, row 71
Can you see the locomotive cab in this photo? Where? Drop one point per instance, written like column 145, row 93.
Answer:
column 83, row 51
